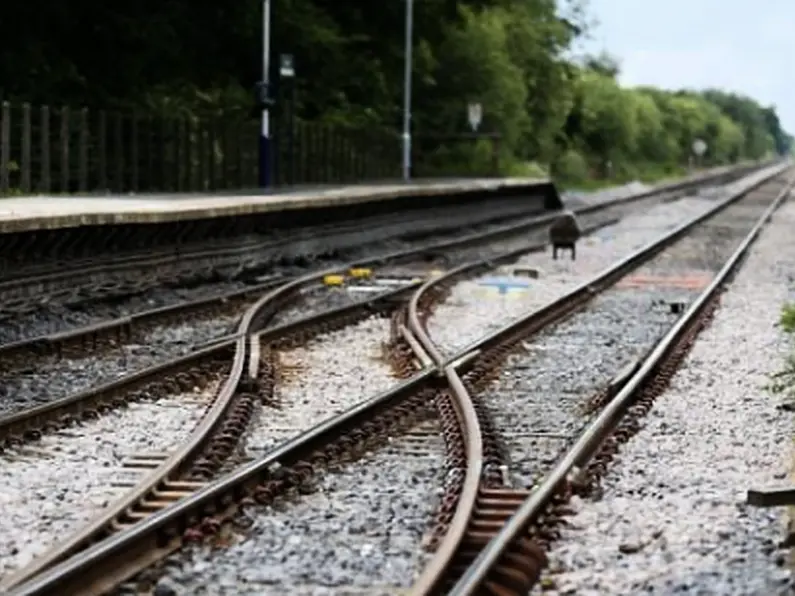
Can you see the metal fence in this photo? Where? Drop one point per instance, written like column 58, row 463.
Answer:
column 67, row 150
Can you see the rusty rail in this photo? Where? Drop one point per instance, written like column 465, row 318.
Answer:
column 170, row 469
column 590, row 440
column 437, row 570
column 91, row 267
column 55, row 342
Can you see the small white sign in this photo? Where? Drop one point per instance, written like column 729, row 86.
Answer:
column 286, row 68
column 475, row 113
column 699, row 147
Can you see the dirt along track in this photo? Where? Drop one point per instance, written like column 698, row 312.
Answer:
column 36, row 304
column 297, row 368
column 564, row 364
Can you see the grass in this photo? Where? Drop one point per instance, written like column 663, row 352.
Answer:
column 783, row 382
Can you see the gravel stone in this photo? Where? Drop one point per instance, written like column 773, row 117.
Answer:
column 52, row 378
column 54, row 487
column 472, row 310
column 537, row 402
column 672, row 517
column 56, row 317
column 359, row 532
column 326, row 376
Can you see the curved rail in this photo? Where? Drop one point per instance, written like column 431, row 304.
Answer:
column 589, row 441
column 437, row 569
column 29, row 421
column 158, row 530
column 54, row 343
column 166, row 476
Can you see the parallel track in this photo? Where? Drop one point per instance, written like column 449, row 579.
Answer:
column 169, row 505
column 493, row 538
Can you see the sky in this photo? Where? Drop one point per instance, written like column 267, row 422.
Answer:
column 744, row 46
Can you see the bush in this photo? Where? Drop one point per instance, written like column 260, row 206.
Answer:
column 571, row 167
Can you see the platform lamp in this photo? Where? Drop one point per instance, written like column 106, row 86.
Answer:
column 407, row 91
column 287, row 74
column 265, row 99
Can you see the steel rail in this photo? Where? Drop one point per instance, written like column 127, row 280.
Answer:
column 586, row 446
column 71, row 575
column 437, row 568
column 81, row 573
column 32, row 419
column 52, row 343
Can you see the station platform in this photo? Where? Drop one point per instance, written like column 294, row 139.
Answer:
column 33, row 213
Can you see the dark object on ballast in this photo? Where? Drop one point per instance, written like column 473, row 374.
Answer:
column 564, row 233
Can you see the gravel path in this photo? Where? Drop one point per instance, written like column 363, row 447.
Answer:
column 54, row 487
column 473, row 310
column 52, row 378
column 360, row 532
column 675, row 496
column 55, row 318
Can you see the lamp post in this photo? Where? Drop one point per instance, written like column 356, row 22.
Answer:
column 264, row 135
column 407, row 91
column 287, row 73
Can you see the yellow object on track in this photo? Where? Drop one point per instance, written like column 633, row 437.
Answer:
column 334, row 280
column 361, row 272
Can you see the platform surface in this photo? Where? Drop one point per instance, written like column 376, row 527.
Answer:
column 19, row 214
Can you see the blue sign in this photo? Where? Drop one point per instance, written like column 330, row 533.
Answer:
column 505, row 284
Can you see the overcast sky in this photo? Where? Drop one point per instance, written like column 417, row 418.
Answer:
column 746, row 46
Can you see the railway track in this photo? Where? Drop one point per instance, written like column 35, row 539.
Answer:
column 167, row 510
column 197, row 373
column 124, row 376
column 493, row 535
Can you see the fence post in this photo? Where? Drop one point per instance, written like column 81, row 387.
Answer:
column 64, row 152
column 44, row 133
column 26, row 148
column 211, row 138
column 118, row 138
column 134, row 153
column 83, row 151
column 240, row 131
column 103, row 151
column 150, row 154
column 495, row 160
column 176, row 132
column 188, row 128
column 163, row 153
column 201, row 145
column 5, row 146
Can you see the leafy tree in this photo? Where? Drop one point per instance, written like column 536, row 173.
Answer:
column 513, row 56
